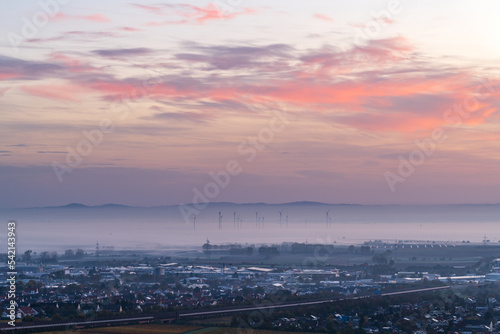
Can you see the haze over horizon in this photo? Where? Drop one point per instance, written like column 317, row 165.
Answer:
column 148, row 104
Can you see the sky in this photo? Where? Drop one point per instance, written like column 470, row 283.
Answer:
column 156, row 103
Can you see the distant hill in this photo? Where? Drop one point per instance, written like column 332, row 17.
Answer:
column 71, row 205
column 112, row 205
column 290, row 204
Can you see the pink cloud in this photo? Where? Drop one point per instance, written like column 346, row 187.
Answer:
column 375, row 101
column 72, row 64
column 212, row 12
column 130, row 29
column 193, row 14
column 404, row 104
column 7, row 76
column 92, row 17
column 54, row 91
column 95, row 18
column 323, row 17
column 385, row 92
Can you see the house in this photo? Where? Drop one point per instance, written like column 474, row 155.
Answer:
column 24, row 311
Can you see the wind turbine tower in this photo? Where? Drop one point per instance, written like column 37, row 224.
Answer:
column 220, row 220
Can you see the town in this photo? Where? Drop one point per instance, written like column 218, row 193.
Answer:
column 80, row 286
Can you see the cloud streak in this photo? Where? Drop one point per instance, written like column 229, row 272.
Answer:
column 121, row 53
column 323, row 17
column 100, row 18
column 190, row 14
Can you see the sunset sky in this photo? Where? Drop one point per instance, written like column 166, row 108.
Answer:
column 138, row 102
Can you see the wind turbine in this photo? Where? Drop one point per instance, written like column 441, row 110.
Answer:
column 220, row 220
column 194, row 222
column 234, row 219
column 256, row 218
column 281, row 212
column 327, row 220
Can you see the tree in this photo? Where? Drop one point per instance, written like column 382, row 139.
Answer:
column 259, row 290
column 488, row 315
column 79, row 253
column 27, row 255
column 44, row 256
column 69, row 253
column 365, row 249
column 32, row 285
column 381, row 259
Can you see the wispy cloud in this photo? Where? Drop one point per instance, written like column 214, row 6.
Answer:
column 130, row 29
column 54, row 91
column 75, row 35
column 15, row 68
column 323, row 17
column 180, row 116
column 93, row 17
column 189, row 14
column 112, row 53
column 237, row 57
column 72, row 64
